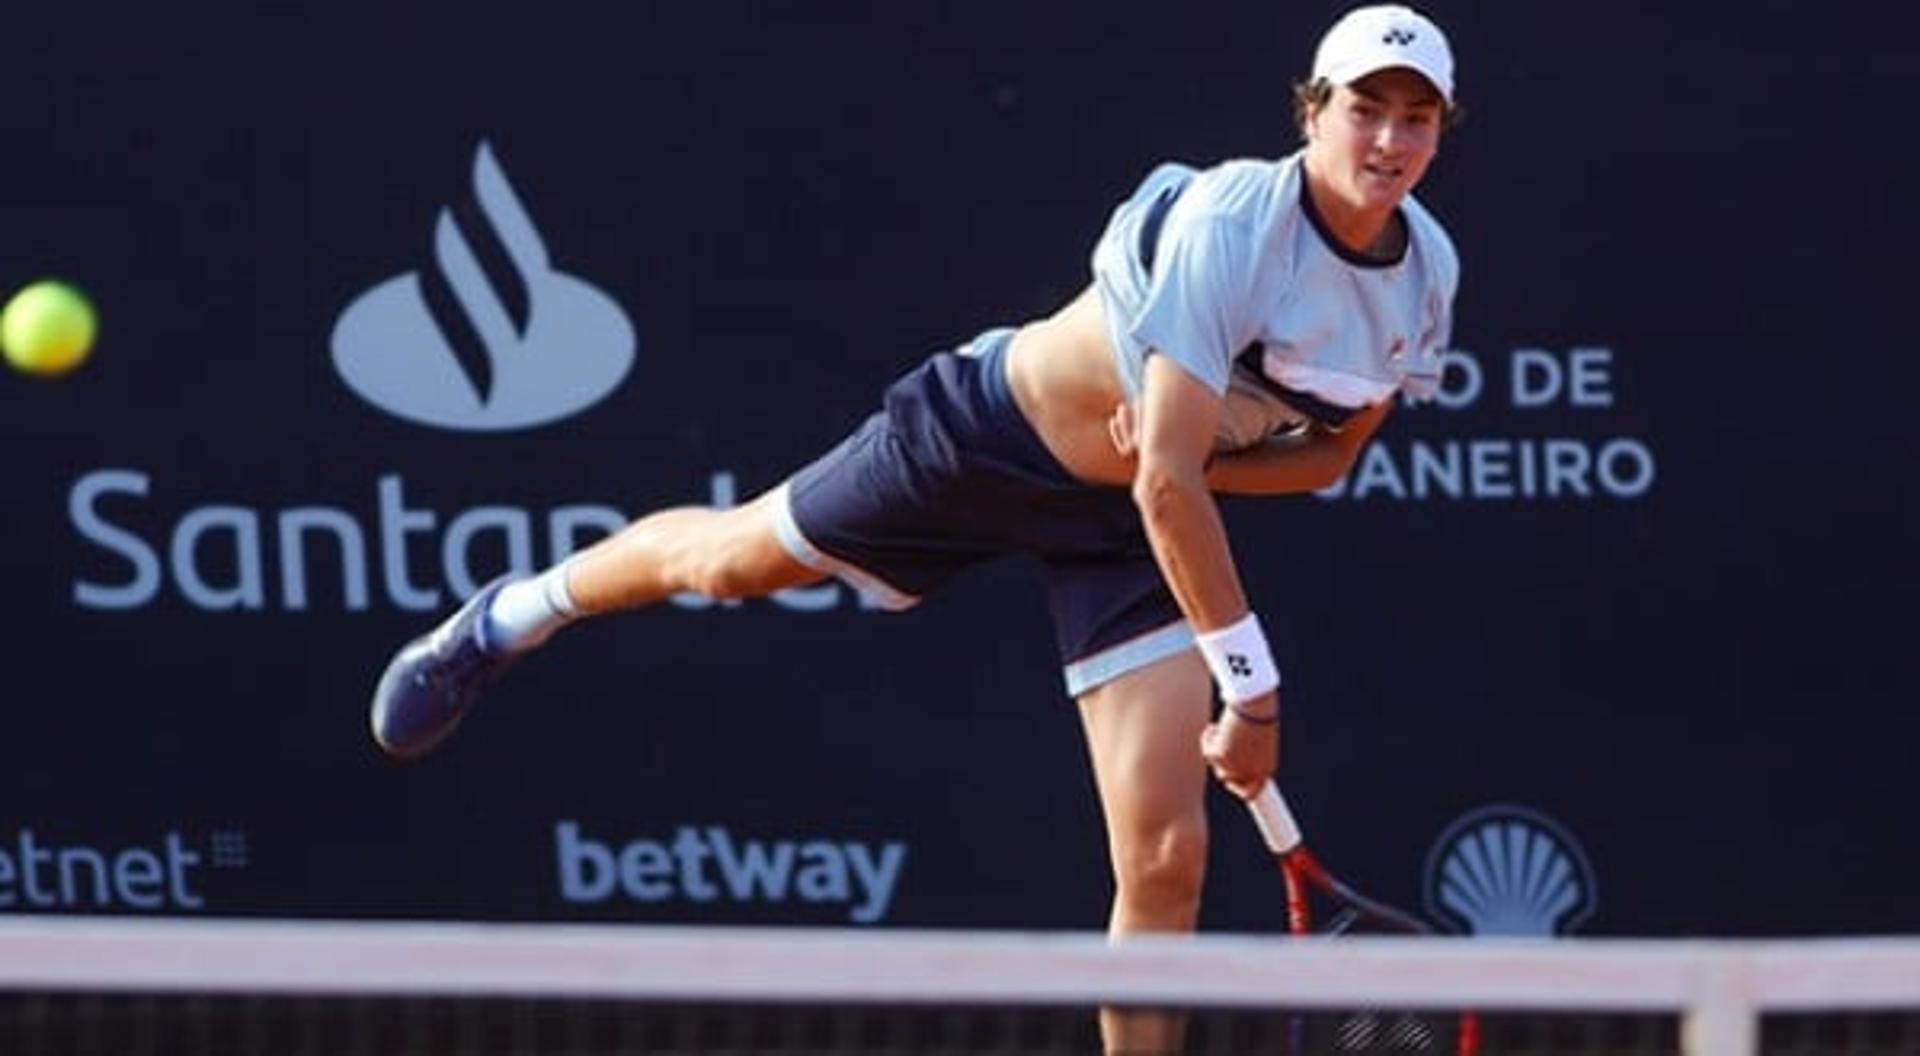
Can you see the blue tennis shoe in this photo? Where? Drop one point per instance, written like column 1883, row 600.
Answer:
column 435, row 679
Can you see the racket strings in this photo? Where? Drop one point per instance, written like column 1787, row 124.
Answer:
column 1343, row 921
column 1366, row 1030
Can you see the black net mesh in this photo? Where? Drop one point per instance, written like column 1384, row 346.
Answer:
column 81, row 1024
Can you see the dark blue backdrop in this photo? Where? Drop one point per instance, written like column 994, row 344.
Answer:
column 1684, row 651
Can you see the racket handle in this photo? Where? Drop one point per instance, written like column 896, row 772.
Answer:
column 1274, row 820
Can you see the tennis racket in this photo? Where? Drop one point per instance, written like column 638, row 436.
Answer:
column 1352, row 912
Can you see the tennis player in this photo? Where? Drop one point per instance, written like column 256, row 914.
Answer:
column 1246, row 329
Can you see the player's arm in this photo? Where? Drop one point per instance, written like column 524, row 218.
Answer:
column 1310, row 461
column 1170, row 486
column 1279, row 465
column 1178, row 414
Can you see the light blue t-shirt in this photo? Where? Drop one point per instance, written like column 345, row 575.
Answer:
column 1240, row 278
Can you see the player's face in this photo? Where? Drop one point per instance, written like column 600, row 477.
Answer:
column 1375, row 137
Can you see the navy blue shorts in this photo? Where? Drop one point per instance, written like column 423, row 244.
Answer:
column 950, row 473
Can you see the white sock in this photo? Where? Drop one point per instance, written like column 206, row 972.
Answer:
column 527, row 612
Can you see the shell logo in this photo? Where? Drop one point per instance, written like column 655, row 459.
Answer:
column 1509, row 870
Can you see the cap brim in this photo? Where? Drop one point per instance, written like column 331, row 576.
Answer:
column 1347, row 73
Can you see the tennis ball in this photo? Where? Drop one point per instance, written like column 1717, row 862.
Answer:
column 47, row 328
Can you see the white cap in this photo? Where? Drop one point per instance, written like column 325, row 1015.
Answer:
column 1368, row 39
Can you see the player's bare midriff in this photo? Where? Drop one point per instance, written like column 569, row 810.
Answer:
column 1062, row 375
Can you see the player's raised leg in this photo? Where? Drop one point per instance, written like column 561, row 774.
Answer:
column 1142, row 731
column 731, row 553
column 435, row 679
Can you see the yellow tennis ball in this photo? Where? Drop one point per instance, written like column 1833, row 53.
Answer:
column 47, row 328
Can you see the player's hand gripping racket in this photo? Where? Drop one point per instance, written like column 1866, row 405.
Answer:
column 1353, row 912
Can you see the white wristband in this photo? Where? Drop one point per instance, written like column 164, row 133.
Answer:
column 1238, row 656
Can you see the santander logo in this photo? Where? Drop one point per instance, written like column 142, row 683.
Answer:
column 489, row 340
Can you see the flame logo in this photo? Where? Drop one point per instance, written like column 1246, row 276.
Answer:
column 487, row 340
column 1506, row 870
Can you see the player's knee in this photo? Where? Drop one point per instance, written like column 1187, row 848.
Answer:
column 717, row 575
column 723, row 571
column 1164, row 866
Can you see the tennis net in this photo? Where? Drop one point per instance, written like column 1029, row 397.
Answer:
column 98, row 985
